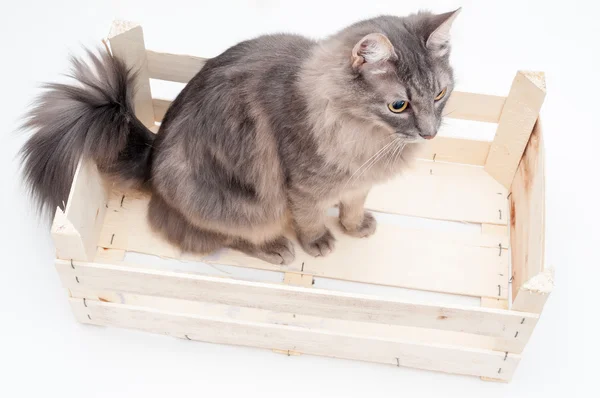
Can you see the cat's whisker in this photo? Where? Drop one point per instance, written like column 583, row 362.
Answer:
column 397, row 151
column 381, row 156
column 389, row 163
column 368, row 160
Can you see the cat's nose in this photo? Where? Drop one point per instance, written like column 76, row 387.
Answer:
column 427, row 128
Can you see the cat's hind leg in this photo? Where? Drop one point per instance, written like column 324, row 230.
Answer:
column 190, row 238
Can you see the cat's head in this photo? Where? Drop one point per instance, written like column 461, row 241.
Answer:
column 398, row 73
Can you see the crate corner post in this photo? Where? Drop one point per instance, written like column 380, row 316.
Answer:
column 517, row 119
column 126, row 41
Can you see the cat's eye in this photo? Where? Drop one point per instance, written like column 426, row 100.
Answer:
column 440, row 95
column 398, row 106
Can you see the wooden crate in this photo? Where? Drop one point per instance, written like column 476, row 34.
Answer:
column 495, row 188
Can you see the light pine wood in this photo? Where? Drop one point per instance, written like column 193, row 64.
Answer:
column 126, row 40
column 516, row 122
column 475, row 107
column 532, row 295
column 340, row 345
column 173, row 67
column 76, row 231
column 527, row 225
column 455, row 258
column 296, row 279
column 443, row 191
column 367, row 329
column 491, row 229
column 456, row 150
column 502, row 325
column 160, row 108
column 488, row 302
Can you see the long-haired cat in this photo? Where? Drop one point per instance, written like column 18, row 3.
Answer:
column 265, row 138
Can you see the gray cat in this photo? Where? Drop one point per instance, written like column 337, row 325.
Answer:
column 264, row 139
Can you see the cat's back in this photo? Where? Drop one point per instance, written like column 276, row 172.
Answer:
column 240, row 78
column 264, row 52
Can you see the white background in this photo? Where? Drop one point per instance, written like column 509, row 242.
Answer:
column 44, row 351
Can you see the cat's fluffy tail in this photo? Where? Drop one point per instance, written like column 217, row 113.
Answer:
column 91, row 119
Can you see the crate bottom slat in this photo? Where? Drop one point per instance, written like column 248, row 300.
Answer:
column 465, row 263
column 443, row 358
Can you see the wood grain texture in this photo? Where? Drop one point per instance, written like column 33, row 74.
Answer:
column 456, row 150
column 518, row 117
column 527, row 217
column 475, row 107
column 126, row 41
column 76, row 231
column 503, row 325
column 370, row 329
column 464, row 263
column 340, row 345
column 173, row 67
column 160, row 108
column 443, row 191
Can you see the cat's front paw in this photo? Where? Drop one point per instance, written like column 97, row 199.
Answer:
column 319, row 247
column 366, row 228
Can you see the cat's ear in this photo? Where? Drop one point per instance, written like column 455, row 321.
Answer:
column 438, row 32
column 373, row 49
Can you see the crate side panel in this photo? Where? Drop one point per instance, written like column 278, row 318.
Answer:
column 126, row 41
column 313, row 302
column 217, row 330
column 369, row 329
column 527, row 225
column 173, row 67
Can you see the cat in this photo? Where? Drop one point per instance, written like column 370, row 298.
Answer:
column 263, row 140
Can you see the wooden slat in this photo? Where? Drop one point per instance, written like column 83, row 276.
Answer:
column 76, row 231
column 518, row 117
column 475, row 107
column 463, row 263
column 126, row 41
column 419, row 259
column 160, row 108
column 503, row 325
column 443, row 191
column 456, row 150
column 340, row 345
column 501, row 304
column 491, row 229
column 527, row 227
column 173, row 67
column 370, row 329
column 487, row 302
